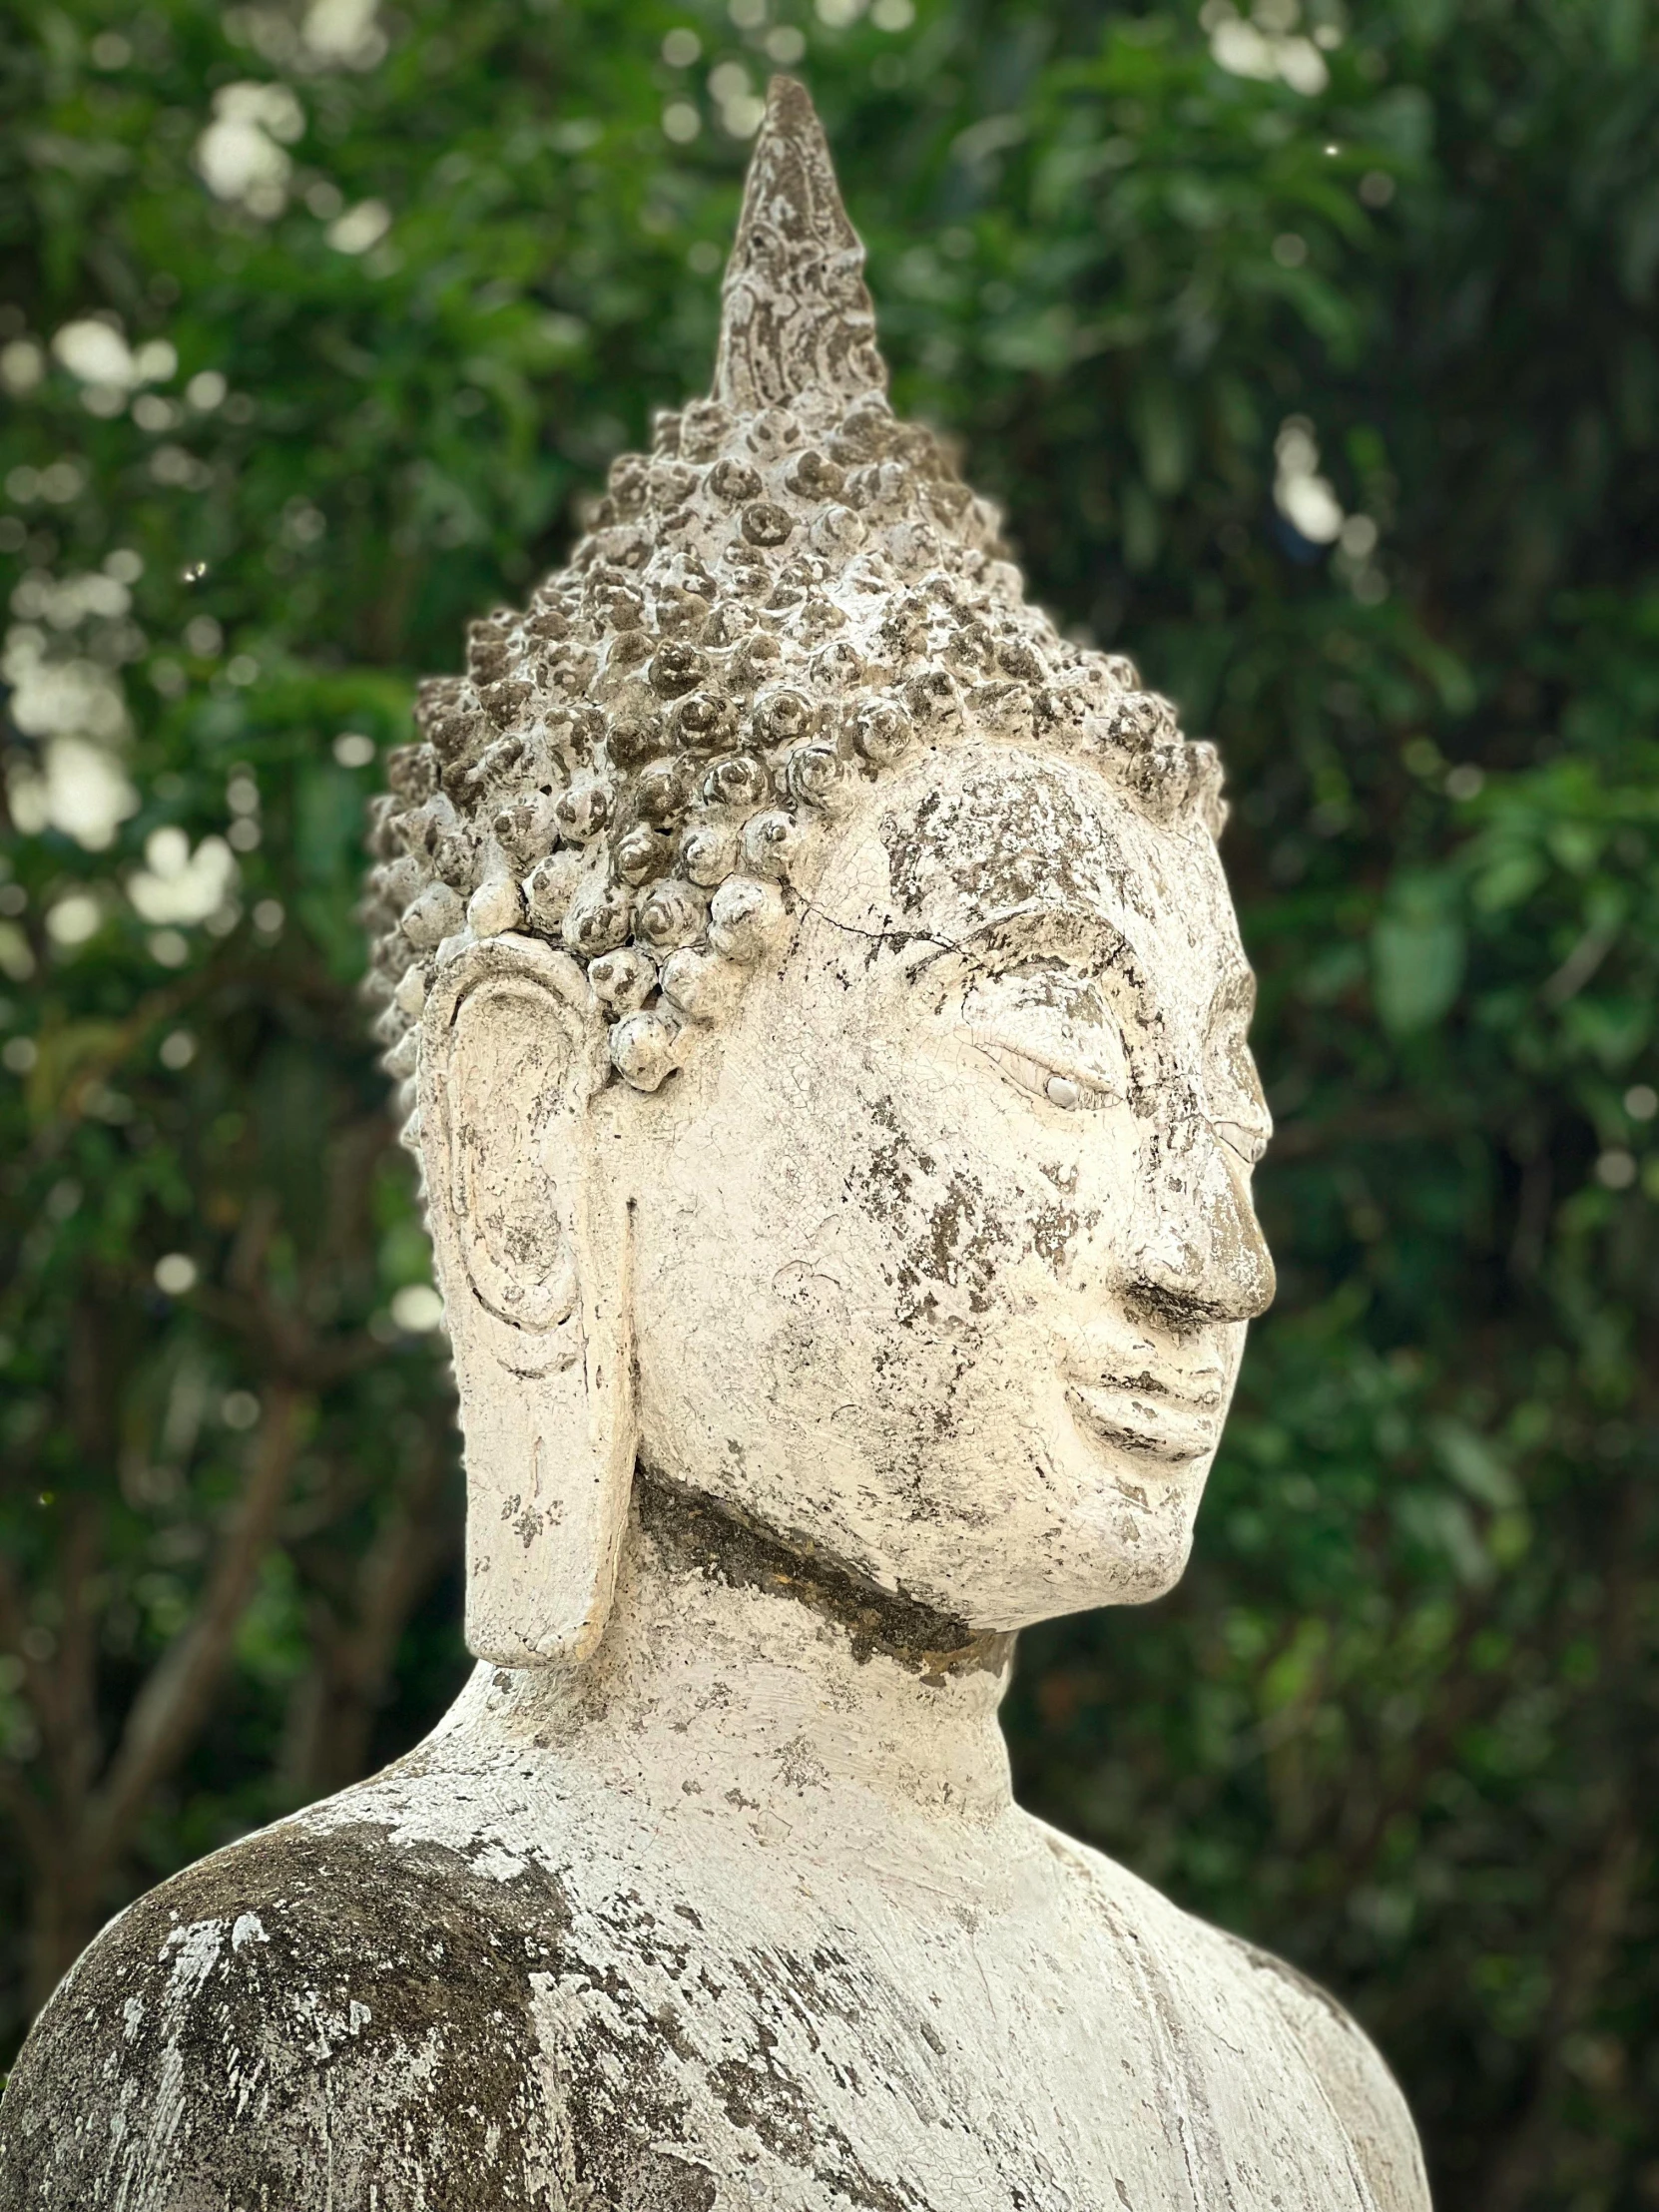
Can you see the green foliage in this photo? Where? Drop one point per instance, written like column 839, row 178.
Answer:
column 1316, row 362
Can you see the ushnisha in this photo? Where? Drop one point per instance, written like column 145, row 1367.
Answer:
column 824, row 1030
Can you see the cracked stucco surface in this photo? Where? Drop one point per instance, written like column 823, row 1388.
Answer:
column 480, row 1981
column 422, row 2024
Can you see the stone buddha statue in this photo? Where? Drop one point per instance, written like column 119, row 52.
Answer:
column 821, row 1024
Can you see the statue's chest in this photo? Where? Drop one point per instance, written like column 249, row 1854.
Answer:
column 1026, row 2069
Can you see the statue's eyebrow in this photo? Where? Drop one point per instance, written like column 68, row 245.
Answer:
column 1080, row 934
column 1041, row 920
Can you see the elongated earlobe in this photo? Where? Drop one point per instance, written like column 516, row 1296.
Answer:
column 532, row 1261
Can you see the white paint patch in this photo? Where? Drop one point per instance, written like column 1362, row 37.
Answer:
column 195, row 1950
column 250, row 1929
column 498, row 1864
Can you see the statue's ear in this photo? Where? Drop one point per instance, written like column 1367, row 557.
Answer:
column 532, row 1260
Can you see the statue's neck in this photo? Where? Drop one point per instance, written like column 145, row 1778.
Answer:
column 742, row 1687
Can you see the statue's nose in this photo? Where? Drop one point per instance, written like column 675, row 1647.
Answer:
column 1200, row 1255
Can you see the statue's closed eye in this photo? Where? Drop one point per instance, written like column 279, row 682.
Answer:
column 1051, row 1033
column 1065, row 1086
column 1049, row 1076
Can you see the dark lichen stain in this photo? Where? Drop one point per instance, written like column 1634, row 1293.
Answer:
column 1010, row 830
column 1053, row 1233
column 376, row 2034
column 709, row 1537
column 375, row 2029
column 966, row 1242
column 765, row 2101
column 759, row 2096
column 906, row 845
column 884, row 1185
column 957, row 1240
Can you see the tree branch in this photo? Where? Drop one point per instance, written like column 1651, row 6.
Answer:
column 42, row 1838
column 353, row 1662
column 36, row 1676
column 173, row 1701
column 76, row 1669
column 1593, row 1921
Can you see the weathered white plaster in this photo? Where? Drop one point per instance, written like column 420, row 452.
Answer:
column 847, row 1249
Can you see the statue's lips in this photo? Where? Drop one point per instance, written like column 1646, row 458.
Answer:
column 1152, row 1423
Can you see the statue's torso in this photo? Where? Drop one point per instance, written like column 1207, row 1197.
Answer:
column 448, row 1989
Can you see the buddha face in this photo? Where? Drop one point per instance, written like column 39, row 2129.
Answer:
column 945, row 1247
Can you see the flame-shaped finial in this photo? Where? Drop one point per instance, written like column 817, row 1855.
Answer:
column 796, row 317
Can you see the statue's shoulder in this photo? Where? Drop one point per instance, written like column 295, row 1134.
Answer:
column 1229, row 1982
column 1351, row 2070
column 325, row 2013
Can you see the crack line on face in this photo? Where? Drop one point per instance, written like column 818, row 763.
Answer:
column 899, row 937
column 969, row 947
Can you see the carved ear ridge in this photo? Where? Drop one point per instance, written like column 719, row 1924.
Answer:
column 513, row 1050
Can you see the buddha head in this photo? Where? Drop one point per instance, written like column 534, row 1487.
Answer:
column 821, row 1016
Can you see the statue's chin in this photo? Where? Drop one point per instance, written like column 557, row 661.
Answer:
column 1128, row 1544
